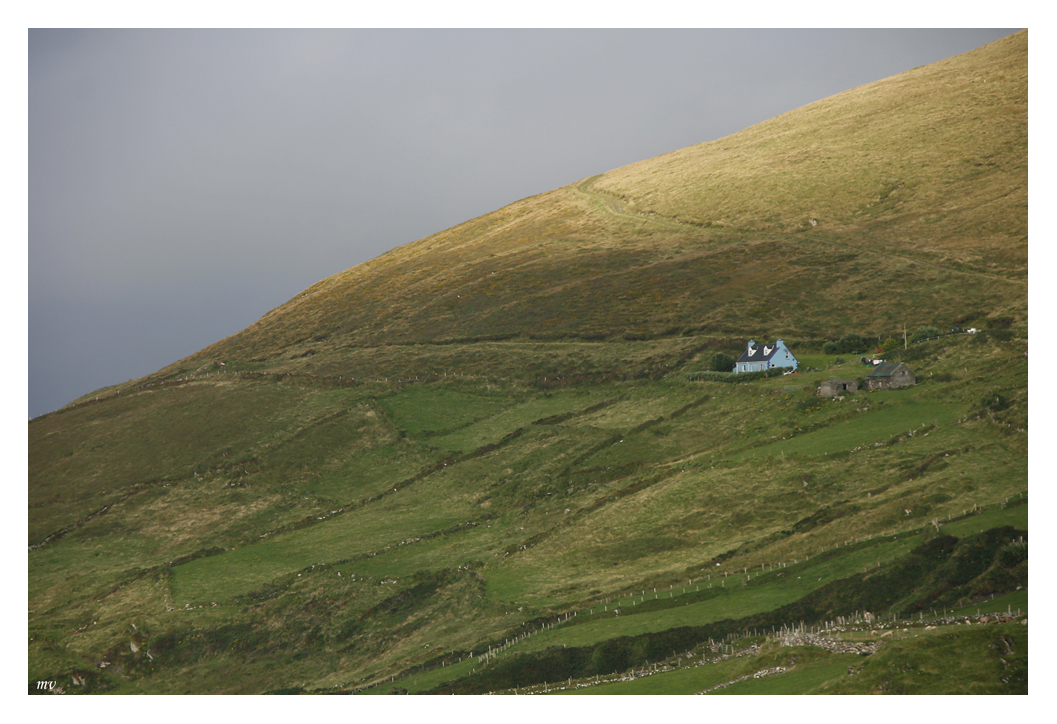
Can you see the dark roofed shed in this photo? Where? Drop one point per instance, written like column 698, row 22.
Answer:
column 890, row 376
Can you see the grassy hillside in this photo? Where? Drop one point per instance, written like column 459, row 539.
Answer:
column 479, row 462
column 900, row 202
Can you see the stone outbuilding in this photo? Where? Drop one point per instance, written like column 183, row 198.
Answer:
column 890, row 376
column 832, row 388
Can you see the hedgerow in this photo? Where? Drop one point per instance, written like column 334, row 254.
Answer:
column 711, row 376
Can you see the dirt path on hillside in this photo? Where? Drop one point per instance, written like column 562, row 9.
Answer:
column 615, row 207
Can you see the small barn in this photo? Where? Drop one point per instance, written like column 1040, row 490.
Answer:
column 832, row 388
column 890, row 376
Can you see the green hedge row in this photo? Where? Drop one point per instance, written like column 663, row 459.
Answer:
column 710, row 376
column 940, row 572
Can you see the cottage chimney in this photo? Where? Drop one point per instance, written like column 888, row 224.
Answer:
column 752, row 344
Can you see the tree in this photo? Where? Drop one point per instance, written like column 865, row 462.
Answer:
column 722, row 362
column 851, row 342
column 889, row 344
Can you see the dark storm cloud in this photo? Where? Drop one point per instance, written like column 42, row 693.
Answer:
column 183, row 183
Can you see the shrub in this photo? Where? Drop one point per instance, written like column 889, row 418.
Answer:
column 994, row 401
column 889, row 344
column 851, row 342
column 923, row 333
column 721, row 362
column 1009, row 556
column 848, row 344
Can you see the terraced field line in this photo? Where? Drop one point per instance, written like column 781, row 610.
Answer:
column 615, row 207
column 910, row 261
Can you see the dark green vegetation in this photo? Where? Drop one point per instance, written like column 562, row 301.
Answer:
column 449, row 468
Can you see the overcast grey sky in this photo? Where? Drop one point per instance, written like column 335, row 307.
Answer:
column 182, row 183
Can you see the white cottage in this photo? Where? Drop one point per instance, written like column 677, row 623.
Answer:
column 760, row 357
